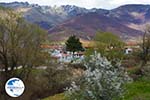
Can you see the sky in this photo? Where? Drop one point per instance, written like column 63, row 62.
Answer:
column 105, row 4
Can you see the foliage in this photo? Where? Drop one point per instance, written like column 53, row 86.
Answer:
column 19, row 42
column 146, row 45
column 73, row 44
column 109, row 45
column 43, row 82
column 50, row 81
column 146, row 70
column 101, row 81
column 108, row 39
column 58, row 75
column 20, row 47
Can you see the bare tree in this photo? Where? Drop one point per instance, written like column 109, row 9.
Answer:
column 20, row 42
column 20, row 45
column 146, row 45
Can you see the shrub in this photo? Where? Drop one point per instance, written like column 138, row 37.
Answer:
column 101, row 81
column 146, row 71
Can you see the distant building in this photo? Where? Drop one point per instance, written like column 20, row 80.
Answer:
column 67, row 57
column 128, row 50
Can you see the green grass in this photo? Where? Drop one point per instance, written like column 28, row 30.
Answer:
column 56, row 97
column 138, row 90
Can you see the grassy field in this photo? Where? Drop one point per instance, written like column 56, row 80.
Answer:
column 138, row 90
column 55, row 97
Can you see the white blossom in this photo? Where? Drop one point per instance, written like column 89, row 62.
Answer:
column 101, row 81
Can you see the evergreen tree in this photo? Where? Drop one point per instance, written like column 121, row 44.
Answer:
column 73, row 44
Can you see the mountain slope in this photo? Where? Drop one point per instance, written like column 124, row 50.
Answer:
column 126, row 21
column 87, row 25
column 133, row 16
column 46, row 16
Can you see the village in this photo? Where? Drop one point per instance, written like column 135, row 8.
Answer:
column 59, row 53
column 73, row 52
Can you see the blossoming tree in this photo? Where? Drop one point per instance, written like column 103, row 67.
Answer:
column 101, row 81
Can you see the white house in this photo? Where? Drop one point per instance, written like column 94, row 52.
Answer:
column 67, row 57
column 128, row 50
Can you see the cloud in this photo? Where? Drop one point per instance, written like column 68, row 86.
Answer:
column 107, row 4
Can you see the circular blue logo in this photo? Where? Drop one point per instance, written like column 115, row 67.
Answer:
column 14, row 87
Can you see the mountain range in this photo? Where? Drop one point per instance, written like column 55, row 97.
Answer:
column 127, row 21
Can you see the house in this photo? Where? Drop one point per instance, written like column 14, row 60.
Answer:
column 67, row 57
column 128, row 50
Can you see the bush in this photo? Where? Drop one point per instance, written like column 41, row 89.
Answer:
column 40, row 83
column 101, row 81
column 146, row 71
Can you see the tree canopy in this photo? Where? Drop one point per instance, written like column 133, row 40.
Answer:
column 101, row 81
column 108, row 44
column 20, row 41
column 73, row 44
column 108, row 39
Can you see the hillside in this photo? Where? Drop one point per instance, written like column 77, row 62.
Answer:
column 87, row 25
column 127, row 21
